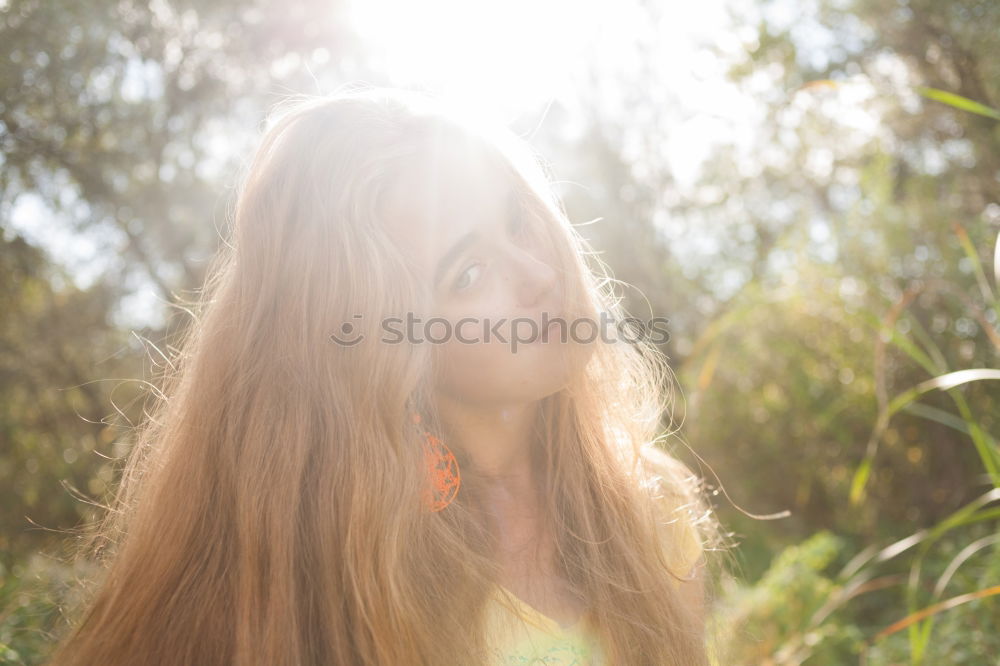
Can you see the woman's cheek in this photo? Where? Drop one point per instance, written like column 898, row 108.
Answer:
column 472, row 370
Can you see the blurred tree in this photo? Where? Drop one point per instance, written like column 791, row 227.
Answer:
column 52, row 413
column 125, row 116
column 872, row 180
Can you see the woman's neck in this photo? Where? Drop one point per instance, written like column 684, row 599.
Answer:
column 498, row 441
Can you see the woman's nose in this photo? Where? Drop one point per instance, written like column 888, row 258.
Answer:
column 535, row 279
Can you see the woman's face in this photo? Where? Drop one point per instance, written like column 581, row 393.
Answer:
column 493, row 281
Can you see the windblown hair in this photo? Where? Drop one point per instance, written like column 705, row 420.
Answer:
column 269, row 510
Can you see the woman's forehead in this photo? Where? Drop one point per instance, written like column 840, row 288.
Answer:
column 439, row 200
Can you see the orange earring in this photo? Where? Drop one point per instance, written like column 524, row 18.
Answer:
column 443, row 469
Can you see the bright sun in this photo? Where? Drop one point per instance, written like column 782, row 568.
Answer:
column 502, row 56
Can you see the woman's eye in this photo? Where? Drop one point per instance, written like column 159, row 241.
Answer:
column 464, row 280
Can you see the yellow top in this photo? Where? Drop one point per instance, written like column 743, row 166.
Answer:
column 519, row 634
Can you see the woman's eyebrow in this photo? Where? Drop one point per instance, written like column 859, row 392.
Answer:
column 513, row 207
column 452, row 254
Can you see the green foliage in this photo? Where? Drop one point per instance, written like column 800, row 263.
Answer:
column 776, row 615
column 800, row 611
column 863, row 355
column 52, row 411
column 965, row 634
column 31, row 595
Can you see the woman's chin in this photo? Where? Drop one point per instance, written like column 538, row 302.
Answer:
column 567, row 363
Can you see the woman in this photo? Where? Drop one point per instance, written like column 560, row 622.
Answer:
column 373, row 446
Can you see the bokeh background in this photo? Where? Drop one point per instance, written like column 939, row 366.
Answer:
column 809, row 190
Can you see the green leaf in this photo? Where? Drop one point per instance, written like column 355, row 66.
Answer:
column 959, row 102
column 944, row 382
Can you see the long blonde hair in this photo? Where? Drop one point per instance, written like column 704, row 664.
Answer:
column 270, row 509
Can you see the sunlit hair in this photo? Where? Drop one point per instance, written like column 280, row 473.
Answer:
column 270, row 510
